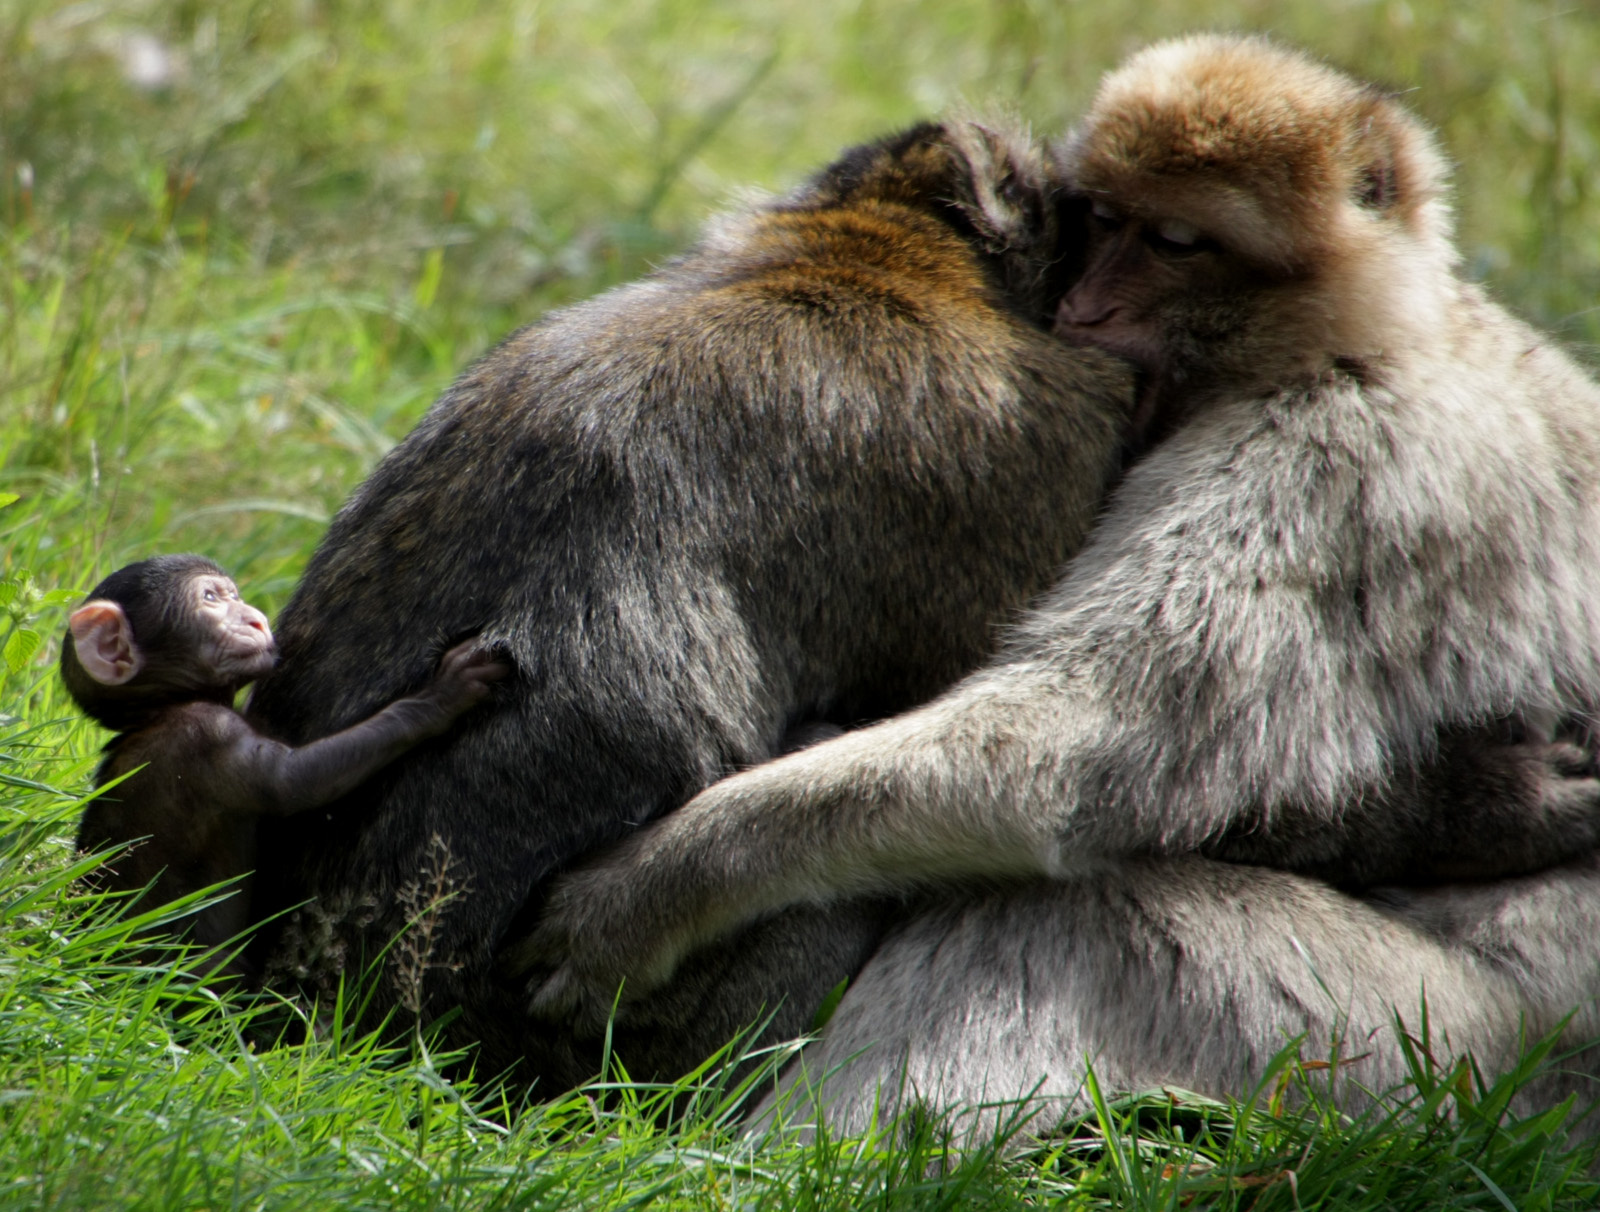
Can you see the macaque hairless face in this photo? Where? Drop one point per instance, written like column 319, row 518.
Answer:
column 1162, row 292
column 238, row 641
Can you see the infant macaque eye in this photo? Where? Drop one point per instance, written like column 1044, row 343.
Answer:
column 211, row 595
column 1104, row 210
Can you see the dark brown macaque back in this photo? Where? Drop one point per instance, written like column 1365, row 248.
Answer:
column 158, row 653
column 799, row 476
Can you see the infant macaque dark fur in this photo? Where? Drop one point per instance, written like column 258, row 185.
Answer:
column 158, row 653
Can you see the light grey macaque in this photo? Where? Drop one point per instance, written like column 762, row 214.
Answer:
column 1371, row 527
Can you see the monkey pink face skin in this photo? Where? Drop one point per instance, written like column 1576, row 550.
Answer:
column 236, row 642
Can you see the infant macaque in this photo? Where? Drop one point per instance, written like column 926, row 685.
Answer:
column 157, row 654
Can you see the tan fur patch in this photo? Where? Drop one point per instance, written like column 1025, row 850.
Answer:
column 877, row 252
column 1263, row 143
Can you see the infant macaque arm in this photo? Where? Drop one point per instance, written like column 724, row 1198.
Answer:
column 281, row 780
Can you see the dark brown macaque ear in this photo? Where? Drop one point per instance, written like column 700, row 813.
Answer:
column 1005, row 188
column 102, row 637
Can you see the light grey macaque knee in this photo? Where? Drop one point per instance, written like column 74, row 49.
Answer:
column 1192, row 974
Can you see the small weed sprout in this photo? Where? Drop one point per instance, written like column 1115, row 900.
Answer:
column 424, row 900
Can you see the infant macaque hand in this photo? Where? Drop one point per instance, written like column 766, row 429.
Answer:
column 465, row 675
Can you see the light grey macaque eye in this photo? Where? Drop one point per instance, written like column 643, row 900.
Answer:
column 1101, row 209
column 1176, row 231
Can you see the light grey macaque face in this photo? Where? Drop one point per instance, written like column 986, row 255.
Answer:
column 1314, row 626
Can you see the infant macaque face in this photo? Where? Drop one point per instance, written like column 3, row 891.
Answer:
column 236, row 641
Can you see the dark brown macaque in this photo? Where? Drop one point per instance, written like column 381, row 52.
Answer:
column 797, row 478
column 157, row 654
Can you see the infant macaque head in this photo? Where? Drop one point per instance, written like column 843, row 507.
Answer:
column 166, row 630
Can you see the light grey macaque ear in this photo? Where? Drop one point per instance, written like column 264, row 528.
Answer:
column 102, row 638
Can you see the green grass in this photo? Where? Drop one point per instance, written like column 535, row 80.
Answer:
column 225, row 295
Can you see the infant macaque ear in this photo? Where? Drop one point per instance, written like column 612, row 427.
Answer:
column 102, row 637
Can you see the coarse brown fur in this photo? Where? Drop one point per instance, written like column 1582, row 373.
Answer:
column 799, row 475
column 1372, row 527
